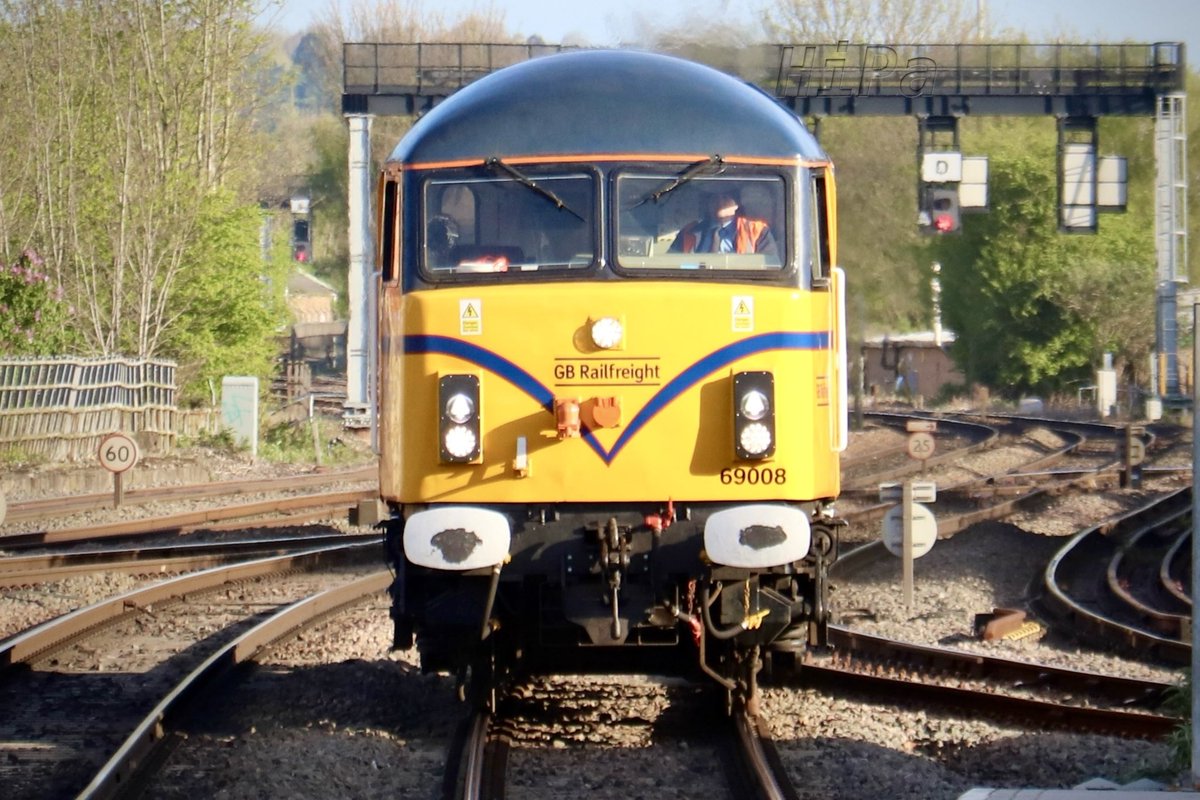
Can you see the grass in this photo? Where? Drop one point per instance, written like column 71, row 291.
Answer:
column 15, row 456
column 289, row 442
column 293, row 442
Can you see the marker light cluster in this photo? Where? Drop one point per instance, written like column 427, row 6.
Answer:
column 754, row 415
column 458, row 420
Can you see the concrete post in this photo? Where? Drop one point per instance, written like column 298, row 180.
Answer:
column 359, row 405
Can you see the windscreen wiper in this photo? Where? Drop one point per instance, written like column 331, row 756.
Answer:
column 524, row 180
column 713, row 163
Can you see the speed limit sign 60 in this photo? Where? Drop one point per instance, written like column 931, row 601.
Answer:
column 118, row 452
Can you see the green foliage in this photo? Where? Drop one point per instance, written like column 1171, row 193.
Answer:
column 293, row 442
column 16, row 457
column 1179, row 704
column 222, row 441
column 328, row 148
column 229, row 304
column 33, row 312
column 877, row 213
column 137, row 132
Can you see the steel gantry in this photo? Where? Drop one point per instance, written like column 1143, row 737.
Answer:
column 935, row 83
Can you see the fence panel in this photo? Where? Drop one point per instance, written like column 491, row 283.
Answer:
column 61, row 408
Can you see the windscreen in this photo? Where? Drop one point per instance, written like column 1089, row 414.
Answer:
column 524, row 221
column 718, row 222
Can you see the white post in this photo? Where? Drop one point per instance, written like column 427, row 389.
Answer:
column 935, row 290
column 907, row 543
column 358, row 406
column 1106, row 388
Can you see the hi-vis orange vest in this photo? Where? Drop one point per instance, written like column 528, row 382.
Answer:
column 748, row 231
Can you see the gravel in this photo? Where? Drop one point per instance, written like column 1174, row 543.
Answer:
column 335, row 714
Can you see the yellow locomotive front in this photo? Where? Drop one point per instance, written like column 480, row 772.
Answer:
column 612, row 380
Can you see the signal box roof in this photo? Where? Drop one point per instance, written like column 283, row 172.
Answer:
column 593, row 102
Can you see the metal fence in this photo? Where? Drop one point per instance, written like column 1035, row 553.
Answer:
column 61, row 408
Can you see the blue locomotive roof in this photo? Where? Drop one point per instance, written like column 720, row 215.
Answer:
column 606, row 101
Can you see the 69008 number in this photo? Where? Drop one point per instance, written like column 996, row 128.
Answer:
column 753, row 476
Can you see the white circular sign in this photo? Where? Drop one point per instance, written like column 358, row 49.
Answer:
column 920, row 445
column 118, row 452
column 924, row 530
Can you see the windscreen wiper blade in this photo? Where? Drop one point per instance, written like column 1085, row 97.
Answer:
column 525, row 180
column 713, row 163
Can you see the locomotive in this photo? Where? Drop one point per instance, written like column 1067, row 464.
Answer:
column 611, row 373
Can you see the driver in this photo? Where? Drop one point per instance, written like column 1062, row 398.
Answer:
column 723, row 230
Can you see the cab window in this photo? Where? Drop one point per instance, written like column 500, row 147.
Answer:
column 496, row 222
column 721, row 222
column 819, row 225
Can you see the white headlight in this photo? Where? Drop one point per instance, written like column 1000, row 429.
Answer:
column 460, row 441
column 756, row 438
column 606, row 333
column 754, row 405
column 459, row 408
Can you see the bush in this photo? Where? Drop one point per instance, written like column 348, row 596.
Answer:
column 292, row 442
column 33, row 314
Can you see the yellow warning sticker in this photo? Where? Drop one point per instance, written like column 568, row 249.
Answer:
column 470, row 317
column 743, row 313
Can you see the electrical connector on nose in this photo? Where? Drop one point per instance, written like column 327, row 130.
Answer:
column 566, row 415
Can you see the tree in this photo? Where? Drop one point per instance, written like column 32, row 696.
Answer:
column 229, row 313
column 136, row 125
column 873, row 21
column 1033, row 308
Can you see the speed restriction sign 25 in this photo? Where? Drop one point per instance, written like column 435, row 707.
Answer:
column 920, row 445
column 118, row 452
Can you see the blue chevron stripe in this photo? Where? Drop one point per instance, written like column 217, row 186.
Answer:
column 715, row 360
column 445, row 345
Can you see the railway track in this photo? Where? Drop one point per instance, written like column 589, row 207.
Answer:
column 487, row 746
column 1039, row 696
column 1092, row 585
column 758, row 773
column 278, row 512
column 1116, row 556
column 990, row 495
column 61, row 506
column 73, row 687
column 907, row 680
column 160, row 559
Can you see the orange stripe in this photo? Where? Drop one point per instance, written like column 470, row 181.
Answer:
column 638, row 157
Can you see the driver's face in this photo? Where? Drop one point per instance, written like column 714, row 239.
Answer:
column 722, row 207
